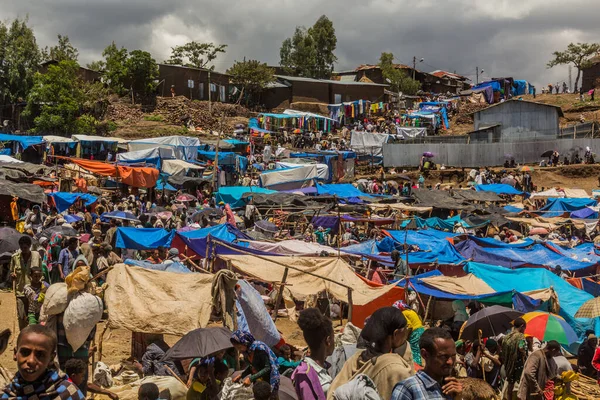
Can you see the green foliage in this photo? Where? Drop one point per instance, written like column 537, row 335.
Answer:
column 155, row 118
column 398, row 79
column 142, row 71
column 252, row 76
column 97, row 66
column 310, row 52
column 57, row 95
column 19, row 60
column 195, row 54
column 87, row 125
column 64, row 50
column 115, row 70
column 111, row 126
column 577, row 54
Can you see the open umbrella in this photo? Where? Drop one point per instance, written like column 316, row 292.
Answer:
column 124, row 215
column 547, row 153
column 200, row 342
column 208, row 212
column 589, row 309
column 9, row 240
column 526, row 168
column 72, row 218
column 490, row 320
column 63, row 230
column 94, row 190
column 186, row 197
column 404, row 177
column 547, row 326
column 428, row 154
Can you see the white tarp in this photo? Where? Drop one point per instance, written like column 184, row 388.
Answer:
column 88, row 138
column 407, row 132
column 322, row 169
column 8, row 159
column 184, row 147
column 295, row 248
column 368, row 143
column 178, row 167
column 136, row 156
column 57, row 139
column 547, row 194
column 288, row 179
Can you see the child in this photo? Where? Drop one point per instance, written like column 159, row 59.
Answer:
column 76, row 369
column 285, row 361
column 207, row 381
column 35, row 293
column 261, row 390
column 36, row 379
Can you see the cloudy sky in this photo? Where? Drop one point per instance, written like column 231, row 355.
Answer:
column 503, row 37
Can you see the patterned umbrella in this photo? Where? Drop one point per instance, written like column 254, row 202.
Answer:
column 184, row 197
column 589, row 309
column 546, row 326
column 526, row 168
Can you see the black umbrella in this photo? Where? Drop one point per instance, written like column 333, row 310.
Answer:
column 63, row 230
column 94, row 190
column 9, row 240
column 547, row 153
column 491, row 321
column 200, row 342
column 208, row 212
column 404, row 177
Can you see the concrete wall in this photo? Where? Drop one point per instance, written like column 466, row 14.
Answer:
column 519, row 117
column 479, row 155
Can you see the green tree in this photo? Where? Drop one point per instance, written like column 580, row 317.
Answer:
column 310, row 52
column 20, row 57
column 115, row 70
column 142, row 72
column 252, row 76
column 97, row 66
column 398, row 79
column 577, row 54
column 55, row 99
column 64, row 50
column 195, row 54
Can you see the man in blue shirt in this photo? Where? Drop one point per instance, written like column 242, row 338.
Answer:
column 434, row 382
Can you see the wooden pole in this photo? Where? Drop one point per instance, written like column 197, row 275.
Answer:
column 280, row 293
column 349, row 304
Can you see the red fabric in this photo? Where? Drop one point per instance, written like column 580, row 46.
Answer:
column 575, row 282
column 596, row 359
column 139, row 177
column 229, row 214
column 97, row 167
column 360, row 313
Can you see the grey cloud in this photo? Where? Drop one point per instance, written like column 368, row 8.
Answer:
column 504, row 37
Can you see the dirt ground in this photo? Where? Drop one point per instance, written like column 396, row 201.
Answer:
column 117, row 344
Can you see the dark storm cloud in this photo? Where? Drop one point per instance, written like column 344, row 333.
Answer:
column 504, row 37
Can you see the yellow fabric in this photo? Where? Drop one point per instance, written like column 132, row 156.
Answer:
column 143, row 300
column 413, row 320
column 198, row 387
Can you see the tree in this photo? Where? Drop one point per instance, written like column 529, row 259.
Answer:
column 20, row 57
column 398, row 79
column 252, row 76
column 142, row 71
column 309, row 52
column 57, row 96
column 97, row 66
column 63, row 51
column 115, row 71
column 195, row 54
column 323, row 35
column 577, row 54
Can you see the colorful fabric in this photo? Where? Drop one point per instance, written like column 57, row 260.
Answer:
column 514, row 350
column 246, row 339
column 51, row 257
column 414, row 338
column 52, row 386
column 546, row 326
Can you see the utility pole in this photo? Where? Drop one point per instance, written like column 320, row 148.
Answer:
column 209, row 94
column 414, row 66
column 477, row 71
column 570, row 80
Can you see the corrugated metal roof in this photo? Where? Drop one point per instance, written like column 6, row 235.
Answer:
column 347, row 78
column 559, row 109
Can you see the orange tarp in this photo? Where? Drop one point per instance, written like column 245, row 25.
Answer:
column 140, row 177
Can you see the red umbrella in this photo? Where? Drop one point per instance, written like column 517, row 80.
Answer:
column 186, row 197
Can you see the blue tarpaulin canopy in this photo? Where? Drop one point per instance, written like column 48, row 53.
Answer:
column 143, row 238
column 585, row 213
column 542, row 255
column 199, row 240
column 341, row 190
column 433, row 244
column 498, row 188
column 232, row 195
column 225, row 158
column 442, row 224
column 24, row 141
column 555, row 207
column 527, row 279
column 64, row 200
column 491, row 242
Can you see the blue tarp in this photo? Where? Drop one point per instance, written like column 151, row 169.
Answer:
column 513, row 209
column 225, row 158
column 199, row 240
column 528, row 279
column 433, row 244
column 237, row 142
column 441, row 224
column 232, row 195
column 495, row 85
column 143, row 238
column 536, row 255
column 64, row 200
column 585, row 213
column 160, row 185
column 498, row 188
column 491, row 242
column 556, row 207
column 341, row 190
column 519, row 87
column 24, row 141
column 173, row 267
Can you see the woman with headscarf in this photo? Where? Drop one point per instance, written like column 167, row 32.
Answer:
column 51, row 257
column 262, row 362
column 384, row 335
column 415, row 327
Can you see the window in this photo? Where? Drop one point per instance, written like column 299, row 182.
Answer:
column 201, row 90
column 337, row 98
column 222, row 93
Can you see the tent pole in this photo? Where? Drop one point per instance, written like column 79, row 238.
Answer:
column 279, row 293
column 349, row 304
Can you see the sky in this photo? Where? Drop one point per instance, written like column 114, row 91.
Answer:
column 502, row 37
